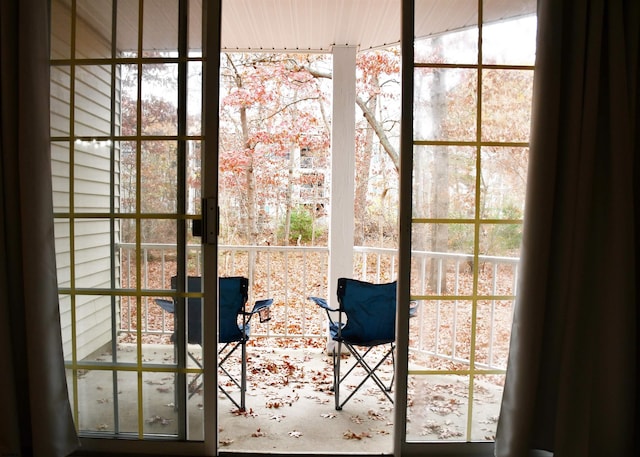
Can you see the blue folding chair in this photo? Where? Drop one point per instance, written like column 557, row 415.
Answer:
column 233, row 327
column 370, row 311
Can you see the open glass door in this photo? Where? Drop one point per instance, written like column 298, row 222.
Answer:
column 127, row 152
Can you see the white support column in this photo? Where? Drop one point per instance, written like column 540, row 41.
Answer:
column 343, row 141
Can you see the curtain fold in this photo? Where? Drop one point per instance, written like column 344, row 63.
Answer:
column 571, row 386
column 36, row 416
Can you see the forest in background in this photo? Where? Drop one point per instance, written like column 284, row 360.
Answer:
column 275, row 157
column 274, row 154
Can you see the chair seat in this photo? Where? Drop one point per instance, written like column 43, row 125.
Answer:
column 366, row 343
column 334, row 331
column 234, row 337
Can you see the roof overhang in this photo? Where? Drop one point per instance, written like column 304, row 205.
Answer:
column 299, row 25
column 318, row 25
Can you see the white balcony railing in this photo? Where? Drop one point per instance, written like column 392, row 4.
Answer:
column 290, row 274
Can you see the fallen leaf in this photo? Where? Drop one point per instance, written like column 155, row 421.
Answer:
column 375, row 415
column 349, row 435
column 159, row 420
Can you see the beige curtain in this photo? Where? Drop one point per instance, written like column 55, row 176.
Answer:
column 572, row 385
column 35, row 416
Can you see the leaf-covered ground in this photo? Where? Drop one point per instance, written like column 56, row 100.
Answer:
column 290, row 405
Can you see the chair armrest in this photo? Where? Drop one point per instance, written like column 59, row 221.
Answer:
column 261, row 307
column 168, row 305
column 261, row 304
column 322, row 302
column 413, row 308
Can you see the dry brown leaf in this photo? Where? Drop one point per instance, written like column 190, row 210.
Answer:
column 349, row 435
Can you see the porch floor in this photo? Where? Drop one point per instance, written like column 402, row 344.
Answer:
column 289, row 405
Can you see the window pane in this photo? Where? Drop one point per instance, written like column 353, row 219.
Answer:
column 92, row 176
column 440, row 335
column 444, row 182
column 93, row 337
column 194, row 176
column 60, row 30
column 60, row 175
column 128, row 99
column 194, row 99
column 487, row 397
column 93, row 29
column 442, row 259
column 160, row 28
column 500, row 240
column 128, row 411
column 95, row 400
column 518, row 49
column 498, row 274
column 438, row 408
column 159, row 180
column 92, row 109
column 158, row 396
column 60, row 100
column 445, row 104
column 460, row 42
column 159, row 99
column 92, row 253
column 64, row 301
column 506, row 105
column 195, row 28
column 128, row 184
column 456, row 47
column 494, row 319
column 127, row 28
column 504, row 177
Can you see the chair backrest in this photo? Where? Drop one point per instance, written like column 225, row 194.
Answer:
column 233, row 292
column 370, row 310
column 194, row 309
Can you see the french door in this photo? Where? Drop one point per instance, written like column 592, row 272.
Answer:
column 128, row 154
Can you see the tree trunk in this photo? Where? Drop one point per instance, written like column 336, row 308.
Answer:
column 439, row 182
column 252, row 226
column 440, row 207
column 363, row 167
column 289, row 197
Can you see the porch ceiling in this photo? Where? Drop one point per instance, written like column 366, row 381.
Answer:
column 300, row 25
column 318, row 25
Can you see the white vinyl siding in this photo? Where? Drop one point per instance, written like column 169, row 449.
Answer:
column 88, row 87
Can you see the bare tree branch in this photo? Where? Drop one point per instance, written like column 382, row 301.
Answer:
column 371, row 119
